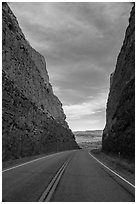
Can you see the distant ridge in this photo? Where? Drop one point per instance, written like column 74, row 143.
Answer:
column 88, row 133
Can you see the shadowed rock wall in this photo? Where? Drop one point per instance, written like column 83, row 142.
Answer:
column 27, row 68
column 33, row 120
column 119, row 132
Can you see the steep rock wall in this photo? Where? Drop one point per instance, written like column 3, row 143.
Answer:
column 27, row 68
column 119, row 132
column 33, row 120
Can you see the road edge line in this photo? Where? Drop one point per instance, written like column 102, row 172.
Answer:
column 14, row 167
column 112, row 170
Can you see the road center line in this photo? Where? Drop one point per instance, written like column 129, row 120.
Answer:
column 46, row 196
column 32, row 161
column 112, row 170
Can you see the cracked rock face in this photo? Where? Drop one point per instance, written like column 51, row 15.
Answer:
column 119, row 132
column 27, row 68
column 33, row 118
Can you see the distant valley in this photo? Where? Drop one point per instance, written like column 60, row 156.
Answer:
column 89, row 139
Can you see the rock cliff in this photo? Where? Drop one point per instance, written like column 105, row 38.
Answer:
column 119, row 132
column 33, row 120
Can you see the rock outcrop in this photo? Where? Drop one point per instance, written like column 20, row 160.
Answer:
column 33, row 118
column 119, row 132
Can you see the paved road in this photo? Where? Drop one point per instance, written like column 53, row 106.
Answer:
column 84, row 180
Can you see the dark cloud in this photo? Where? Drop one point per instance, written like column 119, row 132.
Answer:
column 80, row 42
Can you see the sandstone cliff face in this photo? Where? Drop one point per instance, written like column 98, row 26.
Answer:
column 119, row 132
column 33, row 118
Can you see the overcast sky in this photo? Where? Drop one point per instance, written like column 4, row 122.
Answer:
column 80, row 43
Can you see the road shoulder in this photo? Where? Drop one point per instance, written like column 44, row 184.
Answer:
column 121, row 166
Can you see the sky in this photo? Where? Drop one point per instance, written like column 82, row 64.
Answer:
column 80, row 42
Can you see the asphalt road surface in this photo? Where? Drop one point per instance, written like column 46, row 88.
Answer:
column 70, row 176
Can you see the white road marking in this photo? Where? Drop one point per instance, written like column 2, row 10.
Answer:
column 46, row 196
column 14, row 167
column 112, row 171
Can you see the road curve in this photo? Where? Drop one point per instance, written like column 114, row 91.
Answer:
column 82, row 180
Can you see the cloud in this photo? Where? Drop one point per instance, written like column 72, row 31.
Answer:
column 90, row 107
column 80, row 42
